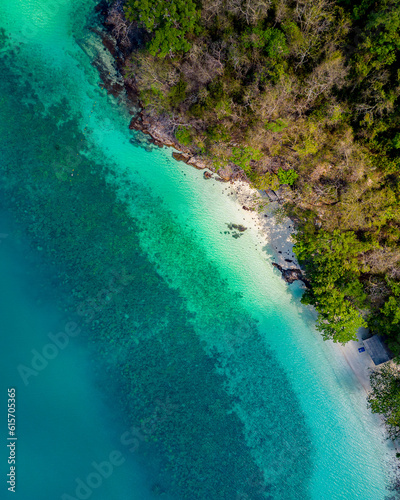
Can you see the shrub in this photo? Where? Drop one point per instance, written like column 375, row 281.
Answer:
column 242, row 156
column 183, row 136
column 287, row 176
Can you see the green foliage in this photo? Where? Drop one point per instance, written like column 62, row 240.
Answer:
column 334, row 254
column 170, row 22
column 387, row 320
column 271, row 40
column 242, row 156
column 183, row 136
column 385, row 397
column 287, row 176
column 338, row 320
column 177, row 93
column 396, row 141
column 218, row 134
column 275, row 43
column 293, row 32
column 277, row 125
column 266, row 181
column 307, row 147
column 332, row 263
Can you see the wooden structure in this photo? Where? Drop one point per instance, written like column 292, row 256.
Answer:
column 377, row 349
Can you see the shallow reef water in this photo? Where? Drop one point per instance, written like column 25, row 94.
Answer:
column 206, row 368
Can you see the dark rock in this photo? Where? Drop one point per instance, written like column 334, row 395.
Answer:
column 156, row 143
column 113, row 87
column 102, row 6
column 181, row 157
column 207, row 175
column 136, row 123
column 292, row 275
column 225, row 173
column 110, row 45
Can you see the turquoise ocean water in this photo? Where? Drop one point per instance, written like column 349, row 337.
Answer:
column 154, row 356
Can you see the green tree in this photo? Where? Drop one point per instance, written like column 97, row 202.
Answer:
column 387, row 319
column 169, row 21
column 271, row 40
column 177, row 93
column 338, row 319
column 385, row 397
column 332, row 263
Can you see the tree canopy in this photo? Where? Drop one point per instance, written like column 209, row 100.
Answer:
column 169, row 21
column 385, row 397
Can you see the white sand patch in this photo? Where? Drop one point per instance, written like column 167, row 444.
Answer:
column 276, row 229
column 360, row 363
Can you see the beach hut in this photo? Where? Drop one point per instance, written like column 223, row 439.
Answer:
column 377, row 349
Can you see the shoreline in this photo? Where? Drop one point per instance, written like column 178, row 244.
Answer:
column 278, row 236
column 276, row 230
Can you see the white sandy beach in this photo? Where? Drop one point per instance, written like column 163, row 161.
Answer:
column 277, row 232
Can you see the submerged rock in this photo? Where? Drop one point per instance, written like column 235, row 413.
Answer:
column 239, row 227
column 156, row 143
column 137, row 123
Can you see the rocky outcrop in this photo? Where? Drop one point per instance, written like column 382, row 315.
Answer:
column 120, row 39
column 199, row 163
column 225, row 173
column 292, row 274
column 181, row 157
